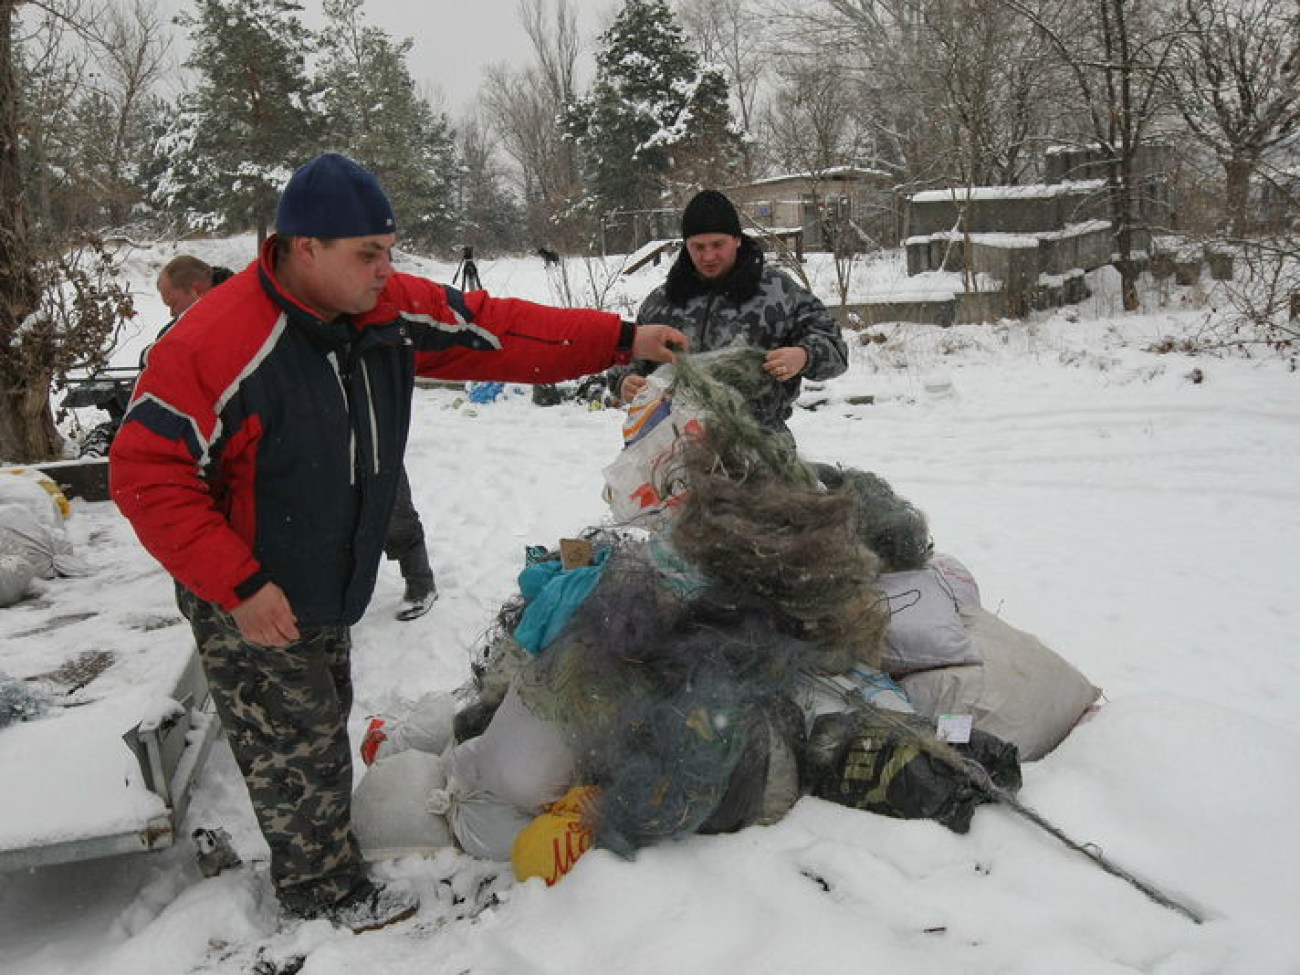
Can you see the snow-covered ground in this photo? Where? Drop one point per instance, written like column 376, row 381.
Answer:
column 1143, row 524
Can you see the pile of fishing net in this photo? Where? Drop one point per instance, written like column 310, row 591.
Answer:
column 662, row 692
column 690, row 676
column 678, row 681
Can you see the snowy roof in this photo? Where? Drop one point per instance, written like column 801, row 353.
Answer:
column 995, row 239
column 831, row 173
column 1030, row 191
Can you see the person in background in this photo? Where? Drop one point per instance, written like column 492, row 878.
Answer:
column 185, row 279
column 405, row 544
column 259, row 461
column 182, row 281
column 720, row 293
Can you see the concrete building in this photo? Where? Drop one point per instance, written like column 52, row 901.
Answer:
column 845, row 199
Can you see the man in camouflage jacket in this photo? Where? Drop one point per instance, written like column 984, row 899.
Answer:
column 720, row 293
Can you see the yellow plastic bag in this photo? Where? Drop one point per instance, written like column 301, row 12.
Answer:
column 551, row 844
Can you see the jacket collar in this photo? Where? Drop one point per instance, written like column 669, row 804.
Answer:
column 739, row 284
column 332, row 335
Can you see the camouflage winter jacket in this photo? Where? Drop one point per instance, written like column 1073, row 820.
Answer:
column 753, row 305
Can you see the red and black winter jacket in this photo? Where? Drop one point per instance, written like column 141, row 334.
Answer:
column 263, row 444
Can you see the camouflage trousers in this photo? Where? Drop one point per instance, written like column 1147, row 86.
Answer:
column 285, row 711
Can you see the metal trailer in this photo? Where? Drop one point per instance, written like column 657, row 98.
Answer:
column 170, row 749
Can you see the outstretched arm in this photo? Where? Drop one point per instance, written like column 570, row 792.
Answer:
column 658, row 343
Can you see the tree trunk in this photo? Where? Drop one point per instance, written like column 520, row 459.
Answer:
column 1123, row 218
column 27, row 431
column 1237, row 172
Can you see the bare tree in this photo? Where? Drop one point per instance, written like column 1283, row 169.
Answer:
column 956, row 91
column 87, row 72
column 729, row 33
column 488, row 218
column 1236, row 81
column 1118, row 53
column 48, row 69
column 813, row 131
column 993, row 76
column 25, row 430
column 873, row 51
column 132, row 47
column 525, row 105
column 60, row 303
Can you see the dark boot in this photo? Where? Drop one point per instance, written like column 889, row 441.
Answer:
column 421, row 592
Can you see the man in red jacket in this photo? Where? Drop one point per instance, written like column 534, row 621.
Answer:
column 259, row 460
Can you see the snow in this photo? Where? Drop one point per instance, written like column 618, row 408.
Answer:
column 1141, row 523
column 1034, row 191
column 830, row 172
column 1013, row 240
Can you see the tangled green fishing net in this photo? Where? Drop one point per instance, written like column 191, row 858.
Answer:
column 660, row 694
column 755, row 516
column 891, row 526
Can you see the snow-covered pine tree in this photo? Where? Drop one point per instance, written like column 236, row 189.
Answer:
column 638, row 117
column 373, row 113
column 707, row 144
column 247, row 123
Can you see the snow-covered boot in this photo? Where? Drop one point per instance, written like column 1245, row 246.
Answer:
column 369, row 906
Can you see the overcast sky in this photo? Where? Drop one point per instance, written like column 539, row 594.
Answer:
column 453, row 39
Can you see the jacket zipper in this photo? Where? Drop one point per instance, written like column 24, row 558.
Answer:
column 342, row 372
column 371, row 418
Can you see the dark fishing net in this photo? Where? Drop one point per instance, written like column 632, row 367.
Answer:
column 892, row 527
column 668, row 677
column 494, row 662
column 659, row 695
column 21, row 701
column 754, row 516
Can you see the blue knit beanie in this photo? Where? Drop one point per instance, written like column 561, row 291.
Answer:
column 332, row 196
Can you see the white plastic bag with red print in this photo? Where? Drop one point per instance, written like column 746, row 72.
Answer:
column 639, row 486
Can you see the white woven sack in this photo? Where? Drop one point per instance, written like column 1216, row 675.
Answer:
column 520, row 758
column 35, row 491
column 964, row 587
column 925, row 628
column 16, row 575
column 1023, row 692
column 24, row 535
column 390, row 807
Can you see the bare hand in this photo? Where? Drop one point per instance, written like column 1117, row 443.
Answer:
column 785, row 363
column 265, row 618
column 657, row 343
column 631, row 386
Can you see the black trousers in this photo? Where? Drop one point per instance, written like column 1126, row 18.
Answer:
column 405, row 542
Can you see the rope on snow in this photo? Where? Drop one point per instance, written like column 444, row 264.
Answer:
column 981, row 780
column 979, row 777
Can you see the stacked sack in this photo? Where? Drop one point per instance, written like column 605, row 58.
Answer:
column 34, row 542
column 757, row 628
